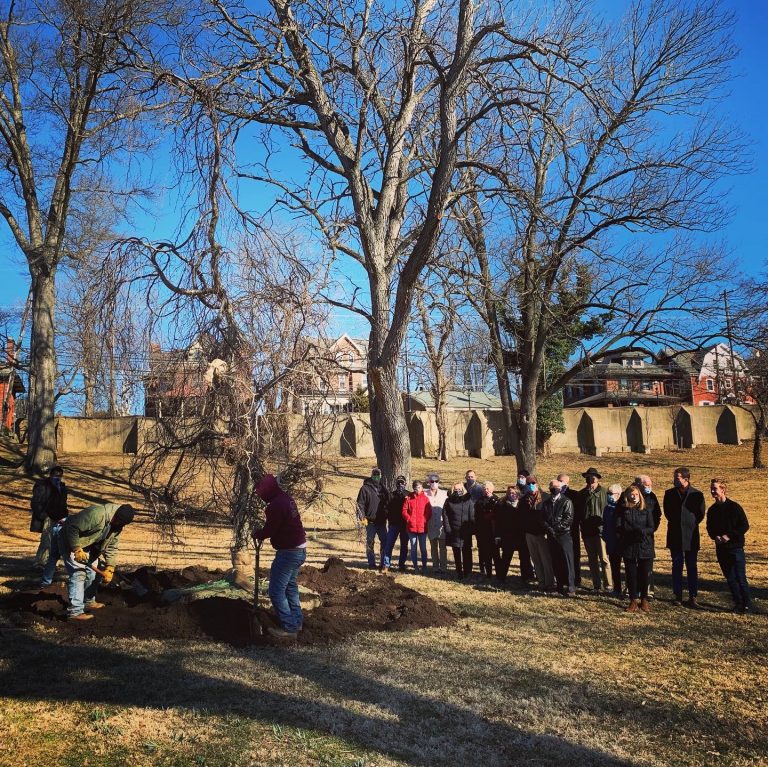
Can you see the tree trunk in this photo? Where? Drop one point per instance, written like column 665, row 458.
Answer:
column 441, row 419
column 505, row 393
column 757, row 448
column 526, row 448
column 389, row 429
column 41, row 429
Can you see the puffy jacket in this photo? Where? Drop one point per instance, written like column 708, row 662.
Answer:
column 558, row 515
column 634, row 528
column 458, row 519
column 727, row 518
column 417, row 511
column 593, row 503
column 372, row 502
column 283, row 526
column 435, row 526
column 684, row 512
column 90, row 529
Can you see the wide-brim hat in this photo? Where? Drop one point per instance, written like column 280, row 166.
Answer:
column 592, row 472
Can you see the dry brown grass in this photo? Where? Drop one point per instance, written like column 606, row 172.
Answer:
column 522, row 679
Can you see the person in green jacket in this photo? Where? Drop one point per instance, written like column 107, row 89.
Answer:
column 87, row 537
column 592, row 501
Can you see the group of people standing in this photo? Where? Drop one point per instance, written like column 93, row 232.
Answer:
column 547, row 528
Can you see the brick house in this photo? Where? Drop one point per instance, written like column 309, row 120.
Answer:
column 623, row 379
column 710, row 376
column 175, row 383
column 343, row 370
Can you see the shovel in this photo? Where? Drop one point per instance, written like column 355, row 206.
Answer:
column 137, row 587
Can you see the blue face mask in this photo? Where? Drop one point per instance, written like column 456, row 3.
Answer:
column 611, row 500
column 532, row 488
column 521, row 481
column 647, row 490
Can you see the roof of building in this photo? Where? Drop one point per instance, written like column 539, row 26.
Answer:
column 624, row 396
column 613, row 370
column 456, row 400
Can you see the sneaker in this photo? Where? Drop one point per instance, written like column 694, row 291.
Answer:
column 650, row 594
column 280, row 633
column 89, row 606
column 80, row 617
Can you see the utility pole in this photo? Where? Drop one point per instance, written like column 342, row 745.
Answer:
column 730, row 345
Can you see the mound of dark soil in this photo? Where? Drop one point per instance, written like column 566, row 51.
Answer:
column 351, row 601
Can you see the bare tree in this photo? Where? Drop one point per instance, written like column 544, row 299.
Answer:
column 68, row 108
column 622, row 140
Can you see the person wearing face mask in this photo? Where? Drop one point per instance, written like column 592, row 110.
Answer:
column 573, row 494
column 417, row 512
column 593, row 500
column 458, row 523
column 372, row 512
column 49, row 510
column 536, row 534
column 558, row 518
column 645, row 484
column 484, row 509
column 396, row 526
column 435, row 531
column 473, row 487
column 634, row 526
column 684, row 509
column 522, row 482
column 509, row 537
column 611, row 538
column 726, row 526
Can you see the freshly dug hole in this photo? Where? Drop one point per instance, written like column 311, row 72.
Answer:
column 351, row 601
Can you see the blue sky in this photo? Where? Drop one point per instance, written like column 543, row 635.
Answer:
column 746, row 107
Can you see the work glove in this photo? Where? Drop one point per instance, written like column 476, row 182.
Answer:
column 80, row 556
column 107, row 574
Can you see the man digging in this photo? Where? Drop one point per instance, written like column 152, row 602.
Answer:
column 286, row 533
column 86, row 537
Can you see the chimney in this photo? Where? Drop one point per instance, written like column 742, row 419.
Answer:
column 10, row 351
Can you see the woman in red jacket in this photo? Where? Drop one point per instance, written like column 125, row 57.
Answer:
column 417, row 512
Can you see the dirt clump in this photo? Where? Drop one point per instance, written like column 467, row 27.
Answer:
column 352, row 601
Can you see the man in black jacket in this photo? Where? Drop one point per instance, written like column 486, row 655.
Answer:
column 396, row 525
column 726, row 525
column 49, row 510
column 684, row 510
column 578, row 515
column 372, row 512
column 558, row 517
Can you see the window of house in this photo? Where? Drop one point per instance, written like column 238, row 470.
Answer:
column 637, row 363
column 342, row 382
column 710, row 384
column 729, row 383
column 646, row 386
column 623, row 384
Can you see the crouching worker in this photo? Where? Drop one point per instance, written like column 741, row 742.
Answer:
column 286, row 533
column 87, row 537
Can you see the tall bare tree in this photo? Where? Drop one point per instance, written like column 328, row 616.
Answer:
column 622, row 144
column 68, row 107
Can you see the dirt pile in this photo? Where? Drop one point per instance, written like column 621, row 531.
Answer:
column 351, row 601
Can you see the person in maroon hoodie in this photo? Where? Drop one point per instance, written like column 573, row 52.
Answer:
column 286, row 533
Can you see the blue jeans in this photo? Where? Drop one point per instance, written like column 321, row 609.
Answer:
column 393, row 533
column 54, row 555
column 81, row 587
column 422, row 541
column 691, row 570
column 284, row 588
column 373, row 531
column 733, row 563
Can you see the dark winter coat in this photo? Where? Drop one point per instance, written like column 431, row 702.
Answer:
column 634, row 529
column 684, row 513
column 507, row 522
column 485, row 508
column 532, row 513
column 372, row 502
column 609, row 533
column 48, row 501
column 592, row 503
column 395, row 509
column 558, row 515
column 652, row 503
column 727, row 518
column 578, row 506
column 458, row 519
